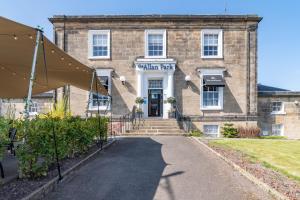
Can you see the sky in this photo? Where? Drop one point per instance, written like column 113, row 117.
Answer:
column 278, row 34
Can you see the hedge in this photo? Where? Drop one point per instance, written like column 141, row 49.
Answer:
column 4, row 128
column 73, row 134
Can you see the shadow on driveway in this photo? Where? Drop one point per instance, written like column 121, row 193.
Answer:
column 130, row 169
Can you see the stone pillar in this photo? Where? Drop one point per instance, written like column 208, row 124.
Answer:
column 170, row 85
column 139, row 84
column 170, row 93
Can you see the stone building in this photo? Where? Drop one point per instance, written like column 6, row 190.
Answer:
column 279, row 112
column 207, row 62
column 14, row 108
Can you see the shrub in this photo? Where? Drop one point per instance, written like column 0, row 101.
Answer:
column 229, row 131
column 73, row 135
column 248, row 132
column 4, row 127
column 196, row 133
column 139, row 100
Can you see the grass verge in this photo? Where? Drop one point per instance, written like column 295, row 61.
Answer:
column 280, row 155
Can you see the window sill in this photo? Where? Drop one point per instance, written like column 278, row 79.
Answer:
column 211, row 108
column 32, row 113
column 212, row 57
column 99, row 57
column 101, row 108
column 161, row 57
column 278, row 113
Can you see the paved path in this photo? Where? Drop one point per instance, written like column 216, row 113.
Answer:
column 162, row 167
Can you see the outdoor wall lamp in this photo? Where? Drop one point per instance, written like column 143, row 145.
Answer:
column 296, row 103
column 123, row 79
column 187, row 79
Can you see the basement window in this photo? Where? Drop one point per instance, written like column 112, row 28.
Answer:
column 211, row 130
column 277, row 129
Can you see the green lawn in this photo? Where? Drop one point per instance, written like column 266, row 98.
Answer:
column 281, row 155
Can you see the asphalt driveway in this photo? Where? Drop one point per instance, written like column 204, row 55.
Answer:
column 162, row 167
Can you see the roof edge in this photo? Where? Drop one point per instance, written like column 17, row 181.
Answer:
column 76, row 18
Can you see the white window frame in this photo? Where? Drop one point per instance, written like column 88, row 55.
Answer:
column 30, row 106
column 103, row 72
column 281, row 131
column 280, row 112
column 156, row 31
column 91, row 33
column 221, row 89
column 218, row 129
column 220, row 42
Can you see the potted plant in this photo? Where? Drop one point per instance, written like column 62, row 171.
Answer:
column 139, row 112
column 139, row 101
column 172, row 101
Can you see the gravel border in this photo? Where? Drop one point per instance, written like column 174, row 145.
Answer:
column 249, row 176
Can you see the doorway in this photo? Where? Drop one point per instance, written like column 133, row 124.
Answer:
column 155, row 98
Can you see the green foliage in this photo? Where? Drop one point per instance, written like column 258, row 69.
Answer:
column 58, row 111
column 196, row 133
column 4, row 127
column 171, row 100
column 229, row 131
column 139, row 100
column 73, row 135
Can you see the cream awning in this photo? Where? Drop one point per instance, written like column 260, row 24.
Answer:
column 53, row 70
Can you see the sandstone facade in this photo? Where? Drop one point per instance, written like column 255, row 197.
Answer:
column 183, row 45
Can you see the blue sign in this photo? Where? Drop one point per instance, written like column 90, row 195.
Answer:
column 156, row 66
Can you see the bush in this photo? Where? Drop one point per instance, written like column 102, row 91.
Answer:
column 248, row 132
column 4, row 127
column 73, row 135
column 196, row 133
column 229, row 131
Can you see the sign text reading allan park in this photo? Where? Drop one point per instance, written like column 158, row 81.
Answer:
column 156, row 66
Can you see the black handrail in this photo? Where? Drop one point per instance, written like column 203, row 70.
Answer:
column 184, row 120
column 129, row 121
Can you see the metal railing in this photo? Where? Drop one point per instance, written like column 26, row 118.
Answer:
column 184, row 121
column 130, row 121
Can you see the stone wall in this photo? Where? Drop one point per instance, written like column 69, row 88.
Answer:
column 183, row 44
column 290, row 118
column 17, row 106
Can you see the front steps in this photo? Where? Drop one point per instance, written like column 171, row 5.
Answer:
column 157, row 126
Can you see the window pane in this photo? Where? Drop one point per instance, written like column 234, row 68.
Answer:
column 210, row 96
column 210, row 44
column 155, row 84
column 100, row 45
column 155, row 44
column 211, row 129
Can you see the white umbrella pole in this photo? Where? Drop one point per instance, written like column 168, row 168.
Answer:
column 33, row 66
column 90, row 95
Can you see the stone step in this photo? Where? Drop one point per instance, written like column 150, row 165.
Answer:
column 159, row 123
column 157, row 130
column 153, row 134
column 160, row 127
